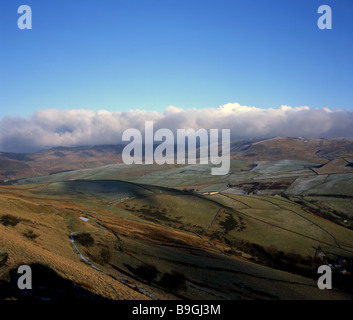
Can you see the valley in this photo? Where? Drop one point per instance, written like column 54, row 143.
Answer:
column 117, row 231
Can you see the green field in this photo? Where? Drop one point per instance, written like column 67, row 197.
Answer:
column 253, row 245
column 328, row 184
column 283, row 224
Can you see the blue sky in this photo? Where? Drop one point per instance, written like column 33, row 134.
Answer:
column 148, row 54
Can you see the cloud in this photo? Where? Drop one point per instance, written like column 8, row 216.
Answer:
column 50, row 128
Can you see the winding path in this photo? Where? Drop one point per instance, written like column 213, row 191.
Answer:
column 87, row 261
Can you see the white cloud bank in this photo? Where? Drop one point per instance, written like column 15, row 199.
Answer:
column 49, row 128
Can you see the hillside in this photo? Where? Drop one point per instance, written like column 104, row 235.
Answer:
column 224, row 247
column 16, row 166
column 117, row 231
column 293, row 148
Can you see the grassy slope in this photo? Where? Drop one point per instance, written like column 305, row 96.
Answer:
column 277, row 222
column 272, row 222
column 210, row 272
column 52, row 222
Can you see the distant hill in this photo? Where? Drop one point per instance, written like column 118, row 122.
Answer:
column 19, row 165
column 14, row 166
column 292, row 148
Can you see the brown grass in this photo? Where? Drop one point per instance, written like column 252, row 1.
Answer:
column 52, row 246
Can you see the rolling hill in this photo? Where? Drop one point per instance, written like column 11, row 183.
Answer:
column 15, row 166
column 91, row 239
column 100, row 229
